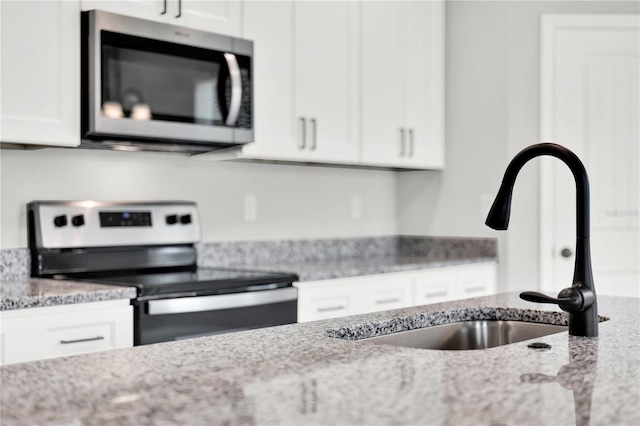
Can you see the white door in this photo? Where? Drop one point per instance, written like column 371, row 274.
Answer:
column 590, row 104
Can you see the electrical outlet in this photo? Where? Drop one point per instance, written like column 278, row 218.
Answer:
column 356, row 207
column 250, row 208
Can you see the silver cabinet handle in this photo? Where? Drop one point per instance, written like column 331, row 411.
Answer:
column 402, row 132
column 164, row 7
column 236, row 88
column 223, row 301
column 474, row 289
column 410, row 154
column 387, row 301
column 179, row 9
column 302, row 140
column 331, row 309
column 90, row 339
column 314, row 134
column 439, row 294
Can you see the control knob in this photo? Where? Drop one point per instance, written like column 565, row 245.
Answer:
column 60, row 221
column 172, row 219
column 77, row 220
column 185, row 219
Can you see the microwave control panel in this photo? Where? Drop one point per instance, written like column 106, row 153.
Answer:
column 76, row 224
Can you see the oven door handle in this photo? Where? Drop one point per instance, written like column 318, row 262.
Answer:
column 236, row 89
column 222, row 301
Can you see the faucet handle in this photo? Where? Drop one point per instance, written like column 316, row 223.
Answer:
column 570, row 299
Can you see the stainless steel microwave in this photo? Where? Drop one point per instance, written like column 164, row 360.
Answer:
column 154, row 86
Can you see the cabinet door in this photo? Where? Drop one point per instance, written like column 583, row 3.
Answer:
column 270, row 26
column 383, row 70
column 424, row 83
column 40, row 83
column 217, row 16
column 13, row 345
column 154, row 10
column 325, row 80
column 403, row 84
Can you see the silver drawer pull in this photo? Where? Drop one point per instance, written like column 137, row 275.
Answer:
column 387, row 301
column 331, row 309
column 90, row 339
column 439, row 294
column 474, row 289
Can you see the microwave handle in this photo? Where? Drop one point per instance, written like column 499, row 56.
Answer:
column 236, row 89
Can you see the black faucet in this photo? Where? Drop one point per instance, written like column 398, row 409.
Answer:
column 579, row 300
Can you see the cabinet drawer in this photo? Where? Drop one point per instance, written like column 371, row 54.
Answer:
column 49, row 332
column 390, row 292
column 76, row 333
column 476, row 281
column 319, row 307
column 79, row 339
column 434, row 289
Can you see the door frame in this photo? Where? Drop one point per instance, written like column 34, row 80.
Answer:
column 550, row 26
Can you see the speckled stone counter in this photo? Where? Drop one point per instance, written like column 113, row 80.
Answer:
column 319, row 259
column 298, row 375
column 36, row 293
column 322, row 259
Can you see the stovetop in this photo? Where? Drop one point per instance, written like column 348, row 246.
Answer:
column 203, row 281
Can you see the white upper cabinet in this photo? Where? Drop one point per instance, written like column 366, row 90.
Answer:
column 40, row 82
column 143, row 9
column 270, row 26
column 218, row 16
column 326, row 80
column 306, row 80
column 403, row 84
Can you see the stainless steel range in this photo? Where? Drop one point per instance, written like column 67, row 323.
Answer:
column 151, row 246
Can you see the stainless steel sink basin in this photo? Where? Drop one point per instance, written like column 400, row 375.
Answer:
column 464, row 335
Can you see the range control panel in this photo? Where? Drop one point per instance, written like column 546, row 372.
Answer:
column 74, row 224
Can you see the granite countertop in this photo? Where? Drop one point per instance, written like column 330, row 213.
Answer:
column 325, row 259
column 36, row 293
column 297, row 374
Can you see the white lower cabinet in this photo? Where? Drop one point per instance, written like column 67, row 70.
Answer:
column 358, row 295
column 50, row 332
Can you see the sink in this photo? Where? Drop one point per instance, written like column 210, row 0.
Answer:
column 465, row 335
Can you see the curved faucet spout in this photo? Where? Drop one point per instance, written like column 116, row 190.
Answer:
column 579, row 299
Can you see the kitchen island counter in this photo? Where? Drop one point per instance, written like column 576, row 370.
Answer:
column 297, row 374
column 38, row 293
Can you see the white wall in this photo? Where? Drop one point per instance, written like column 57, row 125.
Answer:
column 492, row 95
column 292, row 201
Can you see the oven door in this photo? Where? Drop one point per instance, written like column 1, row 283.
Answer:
column 149, row 81
column 177, row 318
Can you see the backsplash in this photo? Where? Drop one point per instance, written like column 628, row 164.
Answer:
column 15, row 264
